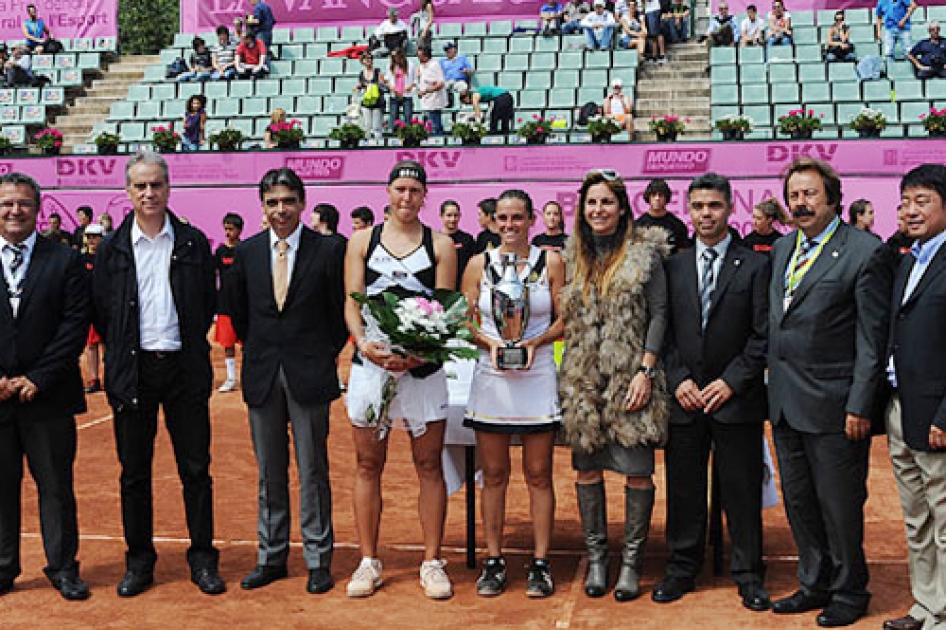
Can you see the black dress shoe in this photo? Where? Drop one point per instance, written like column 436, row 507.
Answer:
column 907, row 622
column 671, row 588
column 134, row 584
column 320, row 581
column 755, row 597
column 6, row 586
column 264, row 575
column 799, row 602
column 71, row 587
column 208, row 581
column 837, row 614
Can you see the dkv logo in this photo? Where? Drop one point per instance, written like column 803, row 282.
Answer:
column 790, row 152
column 86, row 167
column 432, row 159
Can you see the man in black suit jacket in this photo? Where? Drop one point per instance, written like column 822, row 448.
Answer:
column 44, row 321
column 715, row 359
column 154, row 291
column 828, row 304
column 286, row 296
column 916, row 416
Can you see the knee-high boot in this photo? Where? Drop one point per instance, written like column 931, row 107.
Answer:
column 594, row 523
column 639, row 505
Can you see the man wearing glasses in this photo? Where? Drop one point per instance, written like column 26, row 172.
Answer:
column 928, row 56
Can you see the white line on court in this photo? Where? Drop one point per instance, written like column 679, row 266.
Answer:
column 93, row 423
column 576, row 587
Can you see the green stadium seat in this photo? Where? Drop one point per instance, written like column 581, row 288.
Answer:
column 183, row 40
column 804, row 36
column 489, row 63
column 782, row 73
column 352, row 34
column 256, row 106
column 761, row 114
column 268, row 87
column 139, row 92
column 217, row 89
column 751, row 94
column 720, row 56
column 521, row 45
column 720, row 75
column 780, row 54
column 876, row 91
column 450, row 30
column 936, row 12
column 724, row 95
column 586, row 94
column 935, row 89
column 562, row 98
column 89, row 61
column 10, row 113
column 121, row 110
column 547, row 44
column 538, row 80
column 893, row 131
column 292, row 52
column 172, row 110
column 815, row 92
column 303, row 35
column 571, row 61
column 132, row 131
column 241, row 89
column 335, row 104
column 594, row 79
column 344, row 85
column 543, row 61
column 315, row 50
column 169, row 54
column 287, row 103
column 294, row 87
column 500, row 28
column 164, row 91
column 53, row 96
column 510, row 80
column 474, row 29
column 803, row 18
column 566, row 79
column 326, row 34
column 518, row 62
column 282, row 36
column 862, row 33
column 845, row 91
column 718, row 111
column 753, row 73
column 598, row 59
column 863, row 16
column 187, row 90
column 847, row 111
column 71, row 77
column 808, row 72
column 825, row 17
column 260, row 125
column 243, row 124
column 900, row 70
column 320, row 85
column 808, row 53
column 494, row 46
column 754, row 54
column 470, row 46
column 321, row 126
column 623, row 58
column 532, row 99
column 784, row 92
column 309, row 105
column 841, row 72
column 331, row 66
column 825, row 111
column 909, row 89
column 225, row 108
column 890, row 110
column 306, row 68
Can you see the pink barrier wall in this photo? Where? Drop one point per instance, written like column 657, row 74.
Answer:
column 207, row 185
column 66, row 19
column 739, row 6
column 202, row 15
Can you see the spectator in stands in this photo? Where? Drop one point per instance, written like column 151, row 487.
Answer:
column 370, row 82
column 391, row 33
column 457, row 69
column 599, row 27
column 618, row 106
column 489, row 237
column 278, row 115
column 19, row 68
column 634, row 30
column 325, row 220
column 195, row 118
column 55, row 232
column 252, row 61
column 83, row 218
column 928, row 56
column 422, row 24
column 464, row 242
column 893, row 25
column 105, row 220
column 551, row 14
column 575, row 12
column 431, row 89
column 224, row 56
column 837, row 45
column 658, row 195
column 752, row 29
column 723, row 29
column 677, row 22
column 780, row 25
column 262, row 21
column 93, row 345
column 239, row 32
column 554, row 237
column 502, row 109
column 200, row 65
column 400, row 83
column 764, row 217
column 653, row 18
column 35, row 31
column 362, row 218
column 861, row 215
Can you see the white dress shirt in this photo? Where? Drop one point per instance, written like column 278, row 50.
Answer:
column 15, row 281
column 720, row 248
column 293, row 241
column 158, row 324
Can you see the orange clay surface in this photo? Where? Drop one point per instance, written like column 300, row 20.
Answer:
column 176, row 604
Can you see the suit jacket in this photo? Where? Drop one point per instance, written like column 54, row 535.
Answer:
column 45, row 340
column 733, row 347
column 827, row 351
column 918, row 344
column 307, row 335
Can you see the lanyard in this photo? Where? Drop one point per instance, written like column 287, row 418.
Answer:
column 796, row 275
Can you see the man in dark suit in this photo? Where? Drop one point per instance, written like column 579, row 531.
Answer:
column 154, row 295
column 286, row 295
column 715, row 359
column 44, row 321
column 828, row 304
column 916, row 416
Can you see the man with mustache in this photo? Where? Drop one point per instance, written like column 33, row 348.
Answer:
column 828, row 305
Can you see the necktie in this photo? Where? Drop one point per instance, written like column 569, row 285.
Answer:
column 281, row 273
column 804, row 253
column 17, row 251
column 708, row 283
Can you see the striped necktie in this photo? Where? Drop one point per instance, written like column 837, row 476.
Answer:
column 804, row 253
column 708, row 283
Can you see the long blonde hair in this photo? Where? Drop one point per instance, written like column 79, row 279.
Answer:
column 278, row 115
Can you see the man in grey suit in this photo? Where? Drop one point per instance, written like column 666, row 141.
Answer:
column 828, row 303
column 916, row 417
column 286, row 299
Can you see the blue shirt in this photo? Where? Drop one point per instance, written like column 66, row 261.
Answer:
column 892, row 11
column 926, row 50
column 490, row 92
column 551, row 7
column 453, row 68
column 264, row 14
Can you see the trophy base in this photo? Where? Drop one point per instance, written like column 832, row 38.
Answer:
column 510, row 358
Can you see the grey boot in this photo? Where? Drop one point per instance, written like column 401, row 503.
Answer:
column 594, row 522
column 639, row 505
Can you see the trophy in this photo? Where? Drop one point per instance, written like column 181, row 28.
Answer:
column 510, row 314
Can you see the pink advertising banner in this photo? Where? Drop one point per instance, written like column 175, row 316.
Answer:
column 202, row 15
column 66, row 19
column 739, row 6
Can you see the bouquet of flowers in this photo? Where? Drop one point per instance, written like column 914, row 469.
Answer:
column 413, row 133
column 49, row 140
column 935, row 121
column 799, row 123
column 416, row 326
column 165, row 139
column 287, row 135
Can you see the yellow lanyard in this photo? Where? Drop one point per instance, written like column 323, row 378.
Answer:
column 796, row 275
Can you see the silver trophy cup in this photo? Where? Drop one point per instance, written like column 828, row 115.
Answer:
column 511, row 314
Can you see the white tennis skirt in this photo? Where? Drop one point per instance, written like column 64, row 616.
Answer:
column 417, row 401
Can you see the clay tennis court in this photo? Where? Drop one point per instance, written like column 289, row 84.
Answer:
column 176, row 603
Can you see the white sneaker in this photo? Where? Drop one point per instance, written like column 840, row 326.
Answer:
column 434, row 580
column 366, row 579
column 229, row 385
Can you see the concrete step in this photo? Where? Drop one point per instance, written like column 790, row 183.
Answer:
column 668, row 92
column 672, row 72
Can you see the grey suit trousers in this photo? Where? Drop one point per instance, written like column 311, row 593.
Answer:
column 269, row 424
column 921, row 480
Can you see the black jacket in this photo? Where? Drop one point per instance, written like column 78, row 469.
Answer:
column 115, row 293
column 49, row 333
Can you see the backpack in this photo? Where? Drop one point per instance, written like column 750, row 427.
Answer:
column 176, row 67
column 870, row 68
column 52, row 47
column 372, row 94
column 588, row 111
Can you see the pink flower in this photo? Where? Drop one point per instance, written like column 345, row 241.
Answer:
column 535, row 116
column 540, row 130
column 922, row 116
column 424, row 305
column 811, row 112
column 518, row 120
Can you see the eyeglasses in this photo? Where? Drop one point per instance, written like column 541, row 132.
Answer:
column 608, row 173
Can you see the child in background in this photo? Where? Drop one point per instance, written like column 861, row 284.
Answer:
column 225, row 335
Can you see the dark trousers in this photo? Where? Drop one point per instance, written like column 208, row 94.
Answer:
column 15, row 75
column 824, row 485
column 737, row 451
column 187, row 419
column 501, row 113
column 49, row 446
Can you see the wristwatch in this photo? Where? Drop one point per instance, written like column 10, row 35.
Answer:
column 649, row 372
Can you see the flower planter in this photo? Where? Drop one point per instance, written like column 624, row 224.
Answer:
column 868, row 132
column 51, row 150
column 668, row 136
column 410, row 143
column 601, row 138
column 160, row 149
column 289, row 145
column 937, row 133
column 107, row 149
column 733, row 134
column 536, row 140
column 349, row 145
column 228, row 147
column 471, row 142
column 802, row 134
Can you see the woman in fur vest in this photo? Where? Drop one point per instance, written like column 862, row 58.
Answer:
column 614, row 399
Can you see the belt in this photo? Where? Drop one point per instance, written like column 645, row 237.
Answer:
column 160, row 355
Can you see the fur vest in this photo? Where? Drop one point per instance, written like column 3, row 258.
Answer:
column 604, row 347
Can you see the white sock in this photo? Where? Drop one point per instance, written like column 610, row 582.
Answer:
column 231, row 368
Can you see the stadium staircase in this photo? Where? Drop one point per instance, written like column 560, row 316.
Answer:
column 680, row 87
